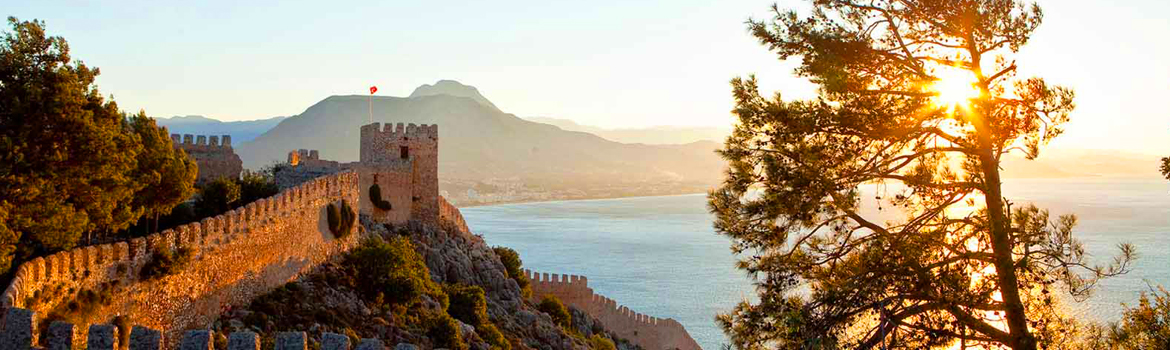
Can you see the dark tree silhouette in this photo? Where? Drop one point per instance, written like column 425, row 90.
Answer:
column 1166, row 167
column 919, row 99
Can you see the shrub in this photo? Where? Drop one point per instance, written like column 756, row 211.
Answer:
column 341, row 220
column 467, row 304
column 598, row 342
column 254, row 186
column 512, row 263
column 392, row 269
column 221, row 341
column 123, row 325
column 492, row 335
column 334, row 218
column 444, row 333
column 376, row 198
column 163, row 263
column 552, row 306
column 348, row 218
column 217, row 197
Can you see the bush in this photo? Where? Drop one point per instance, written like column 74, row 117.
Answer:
column 467, row 304
column 334, row 218
column 217, row 197
column 492, row 335
column 123, row 325
column 341, row 220
column 512, row 263
column 163, row 263
column 254, row 186
column 444, row 333
column 552, row 306
column 348, row 218
column 598, row 342
column 376, row 198
column 393, row 270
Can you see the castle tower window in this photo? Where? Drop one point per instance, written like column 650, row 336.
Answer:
column 404, row 152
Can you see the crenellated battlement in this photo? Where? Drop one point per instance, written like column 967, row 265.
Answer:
column 188, row 140
column 401, row 131
column 213, row 154
column 18, row 331
column 403, row 160
column 236, row 255
column 646, row 331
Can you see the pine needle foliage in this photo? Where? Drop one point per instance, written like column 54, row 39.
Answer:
column 950, row 260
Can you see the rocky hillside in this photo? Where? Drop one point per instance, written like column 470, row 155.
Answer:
column 332, row 299
column 479, row 142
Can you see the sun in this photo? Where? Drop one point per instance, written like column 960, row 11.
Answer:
column 955, row 87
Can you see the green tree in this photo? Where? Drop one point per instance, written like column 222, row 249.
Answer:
column 257, row 185
column 166, row 172
column 66, row 156
column 512, row 265
column 918, row 101
column 217, row 197
column 1145, row 326
column 1166, row 167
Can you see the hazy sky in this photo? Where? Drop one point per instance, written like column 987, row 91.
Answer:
column 606, row 63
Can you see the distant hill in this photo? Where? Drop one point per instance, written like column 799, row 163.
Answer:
column 1054, row 163
column 241, row 131
column 657, row 135
column 479, row 142
column 452, row 88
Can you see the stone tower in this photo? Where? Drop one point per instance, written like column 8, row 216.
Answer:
column 404, row 161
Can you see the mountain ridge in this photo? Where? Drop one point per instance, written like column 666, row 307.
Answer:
column 490, row 151
column 240, row 131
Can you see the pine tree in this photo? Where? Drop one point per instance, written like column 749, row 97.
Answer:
column 66, row 156
column 167, row 174
column 919, row 100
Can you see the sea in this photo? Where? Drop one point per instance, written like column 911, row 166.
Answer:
column 660, row 256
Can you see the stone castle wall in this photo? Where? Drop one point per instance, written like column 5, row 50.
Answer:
column 18, row 326
column 401, row 157
column 236, row 256
column 213, row 154
column 651, row 333
column 310, row 158
column 304, row 165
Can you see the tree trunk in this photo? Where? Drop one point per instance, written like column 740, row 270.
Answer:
column 1001, row 245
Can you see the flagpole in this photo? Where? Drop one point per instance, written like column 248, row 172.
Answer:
column 371, row 100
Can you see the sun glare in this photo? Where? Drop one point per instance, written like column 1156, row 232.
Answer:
column 955, row 86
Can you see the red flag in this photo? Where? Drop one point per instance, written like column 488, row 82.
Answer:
column 373, row 89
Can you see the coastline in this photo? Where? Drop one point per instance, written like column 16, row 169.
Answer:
column 582, row 199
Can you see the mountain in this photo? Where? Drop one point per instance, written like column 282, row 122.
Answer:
column 1065, row 162
column 481, row 144
column 657, row 135
column 452, row 88
column 241, row 131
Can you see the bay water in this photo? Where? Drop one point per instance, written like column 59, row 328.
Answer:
column 660, row 256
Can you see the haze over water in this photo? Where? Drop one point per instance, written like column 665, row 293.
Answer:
column 659, row 255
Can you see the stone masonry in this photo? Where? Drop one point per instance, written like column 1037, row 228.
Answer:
column 404, row 161
column 304, row 165
column 651, row 333
column 235, row 257
column 213, row 154
column 254, row 249
column 17, row 327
